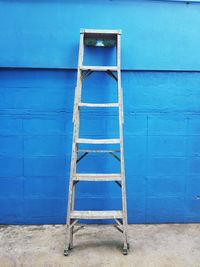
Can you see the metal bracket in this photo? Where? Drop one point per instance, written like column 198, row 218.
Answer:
column 117, row 182
column 115, row 156
column 118, row 222
column 85, row 74
column 118, row 228
column 81, row 157
column 110, row 73
column 74, row 222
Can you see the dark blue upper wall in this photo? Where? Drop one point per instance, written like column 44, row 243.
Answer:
column 157, row 35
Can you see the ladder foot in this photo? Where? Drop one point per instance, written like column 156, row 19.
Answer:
column 125, row 251
column 66, row 252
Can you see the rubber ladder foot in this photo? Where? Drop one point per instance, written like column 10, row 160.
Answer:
column 125, row 251
column 66, row 252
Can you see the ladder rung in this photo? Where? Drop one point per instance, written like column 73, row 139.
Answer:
column 93, row 31
column 97, row 177
column 109, row 105
column 90, row 214
column 99, row 68
column 98, row 151
column 97, row 141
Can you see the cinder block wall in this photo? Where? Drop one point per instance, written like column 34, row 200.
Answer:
column 162, row 146
column 160, row 78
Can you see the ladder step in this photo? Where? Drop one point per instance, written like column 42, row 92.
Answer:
column 90, row 214
column 99, row 68
column 109, row 105
column 98, row 151
column 93, row 31
column 97, row 177
column 97, row 141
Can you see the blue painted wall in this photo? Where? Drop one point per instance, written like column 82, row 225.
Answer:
column 157, row 35
column 162, row 119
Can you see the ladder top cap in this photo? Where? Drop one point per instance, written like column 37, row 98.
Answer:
column 99, row 31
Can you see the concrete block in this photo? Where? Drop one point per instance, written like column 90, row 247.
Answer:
column 193, row 125
column 46, row 145
column 193, row 186
column 44, row 166
column 136, row 208
column 11, row 125
column 49, row 124
column 193, row 143
column 11, row 145
column 166, row 166
column 136, row 165
column 11, row 187
column 34, row 98
column 192, row 207
column 167, row 125
column 194, row 165
column 167, row 146
column 98, row 203
column 45, row 187
column 98, row 189
column 161, row 91
column 165, row 186
column 135, row 124
column 135, row 185
column 103, row 163
column 11, row 166
column 164, row 209
column 11, row 210
column 44, row 207
column 135, row 145
column 192, row 219
column 104, row 126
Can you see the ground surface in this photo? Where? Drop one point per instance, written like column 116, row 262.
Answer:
column 151, row 246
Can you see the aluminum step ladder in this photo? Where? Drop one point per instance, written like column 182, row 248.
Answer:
column 98, row 38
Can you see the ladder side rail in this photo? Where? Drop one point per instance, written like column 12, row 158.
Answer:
column 75, row 132
column 76, row 120
column 77, row 115
column 79, row 74
column 123, row 187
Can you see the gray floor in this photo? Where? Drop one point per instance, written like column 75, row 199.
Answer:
column 151, row 246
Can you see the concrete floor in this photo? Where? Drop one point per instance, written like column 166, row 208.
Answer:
column 169, row 245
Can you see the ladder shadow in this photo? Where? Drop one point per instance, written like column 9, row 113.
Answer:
column 106, row 244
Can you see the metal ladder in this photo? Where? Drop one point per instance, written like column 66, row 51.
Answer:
column 99, row 38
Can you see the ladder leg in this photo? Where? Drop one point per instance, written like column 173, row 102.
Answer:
column 121, row 121
column 125, row 246
column 76, row 118
column 69, row 230
column 72, row 228
column 68, row 234
column 70, row 201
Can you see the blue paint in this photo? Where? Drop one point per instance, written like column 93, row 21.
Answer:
column 157, row 35
column 162, row 119
column 161, row 146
